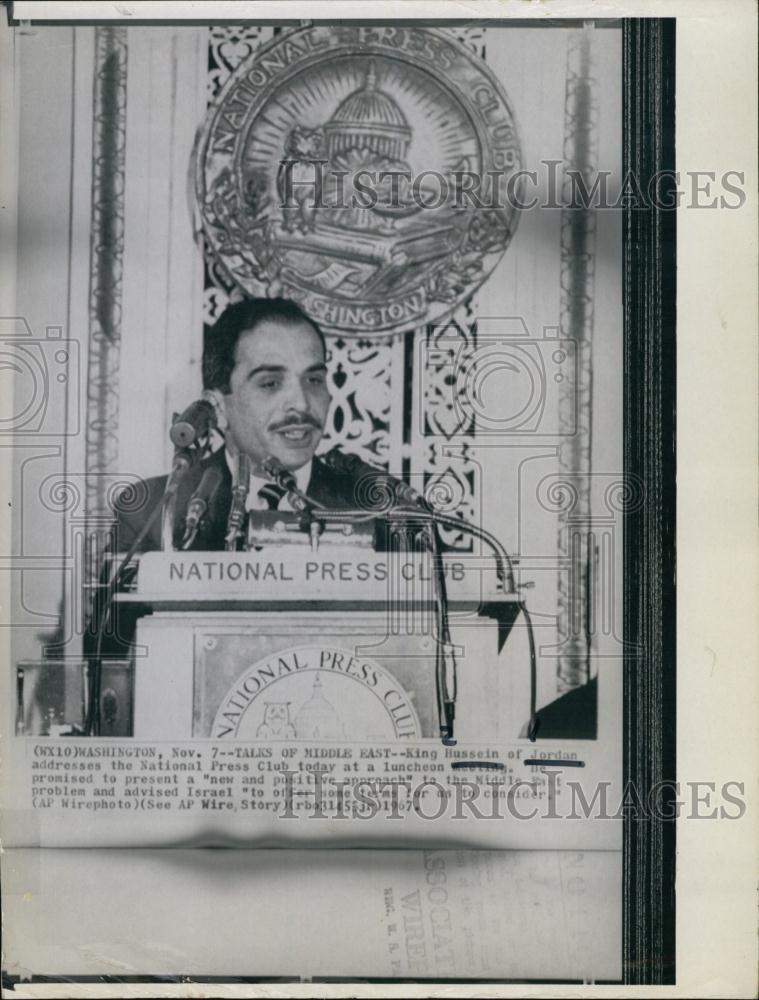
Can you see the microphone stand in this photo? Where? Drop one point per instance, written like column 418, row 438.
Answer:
column 184, row 460
column 237, row 510
column 507, row 578
column 445, row 659
column 199, row 504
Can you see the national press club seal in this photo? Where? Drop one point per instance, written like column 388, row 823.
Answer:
column 363, row 171
column 317, row 693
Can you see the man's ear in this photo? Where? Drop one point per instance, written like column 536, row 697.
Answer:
column 216, row 398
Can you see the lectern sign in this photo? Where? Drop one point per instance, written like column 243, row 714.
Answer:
column 316, row 693
column 365, row 171
column 351, row 574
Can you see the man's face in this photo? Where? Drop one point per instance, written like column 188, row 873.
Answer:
column 278, row 399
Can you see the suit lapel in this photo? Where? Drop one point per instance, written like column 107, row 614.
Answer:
column 330, row 487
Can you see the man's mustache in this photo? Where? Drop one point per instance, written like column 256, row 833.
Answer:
column 296, row 422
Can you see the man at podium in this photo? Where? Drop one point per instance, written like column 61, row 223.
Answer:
column 265, row 375
column 266, row 391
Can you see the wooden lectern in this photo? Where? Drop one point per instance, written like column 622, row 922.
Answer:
column 287, row 643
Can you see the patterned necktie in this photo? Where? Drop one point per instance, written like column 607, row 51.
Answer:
column 272, row 494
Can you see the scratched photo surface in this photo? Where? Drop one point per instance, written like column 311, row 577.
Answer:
column 318, row 495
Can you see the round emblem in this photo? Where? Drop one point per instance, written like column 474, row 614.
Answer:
column 363, row 171
column 317, row 693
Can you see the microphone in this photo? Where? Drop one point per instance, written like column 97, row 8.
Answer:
column 237, row 511
column 195, row 422
column 198, row 505
column 184, row 459
column 383, row 491
column 285, row 479
column 279, row 473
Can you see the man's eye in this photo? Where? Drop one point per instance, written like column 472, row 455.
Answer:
column 317, row 379
column 269, row 383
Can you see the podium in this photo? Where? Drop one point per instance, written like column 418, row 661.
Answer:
column 328, row 645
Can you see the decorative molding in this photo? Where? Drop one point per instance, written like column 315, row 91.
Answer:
column 106, row 269
column 575, row 397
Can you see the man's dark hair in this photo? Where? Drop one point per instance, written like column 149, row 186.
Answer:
column 220, row 341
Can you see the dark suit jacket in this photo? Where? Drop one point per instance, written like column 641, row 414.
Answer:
column 329, row 487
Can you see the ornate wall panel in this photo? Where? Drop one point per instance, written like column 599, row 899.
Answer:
column 228, row 46
column 449, row 476
column 446, row 431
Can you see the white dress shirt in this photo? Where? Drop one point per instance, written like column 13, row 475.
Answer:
column 254, row 501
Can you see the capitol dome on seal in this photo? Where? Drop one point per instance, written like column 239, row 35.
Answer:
column 368, row 119
column 368, row 133
column 317, row 719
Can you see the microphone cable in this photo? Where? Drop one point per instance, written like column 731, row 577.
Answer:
column 505, row 573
